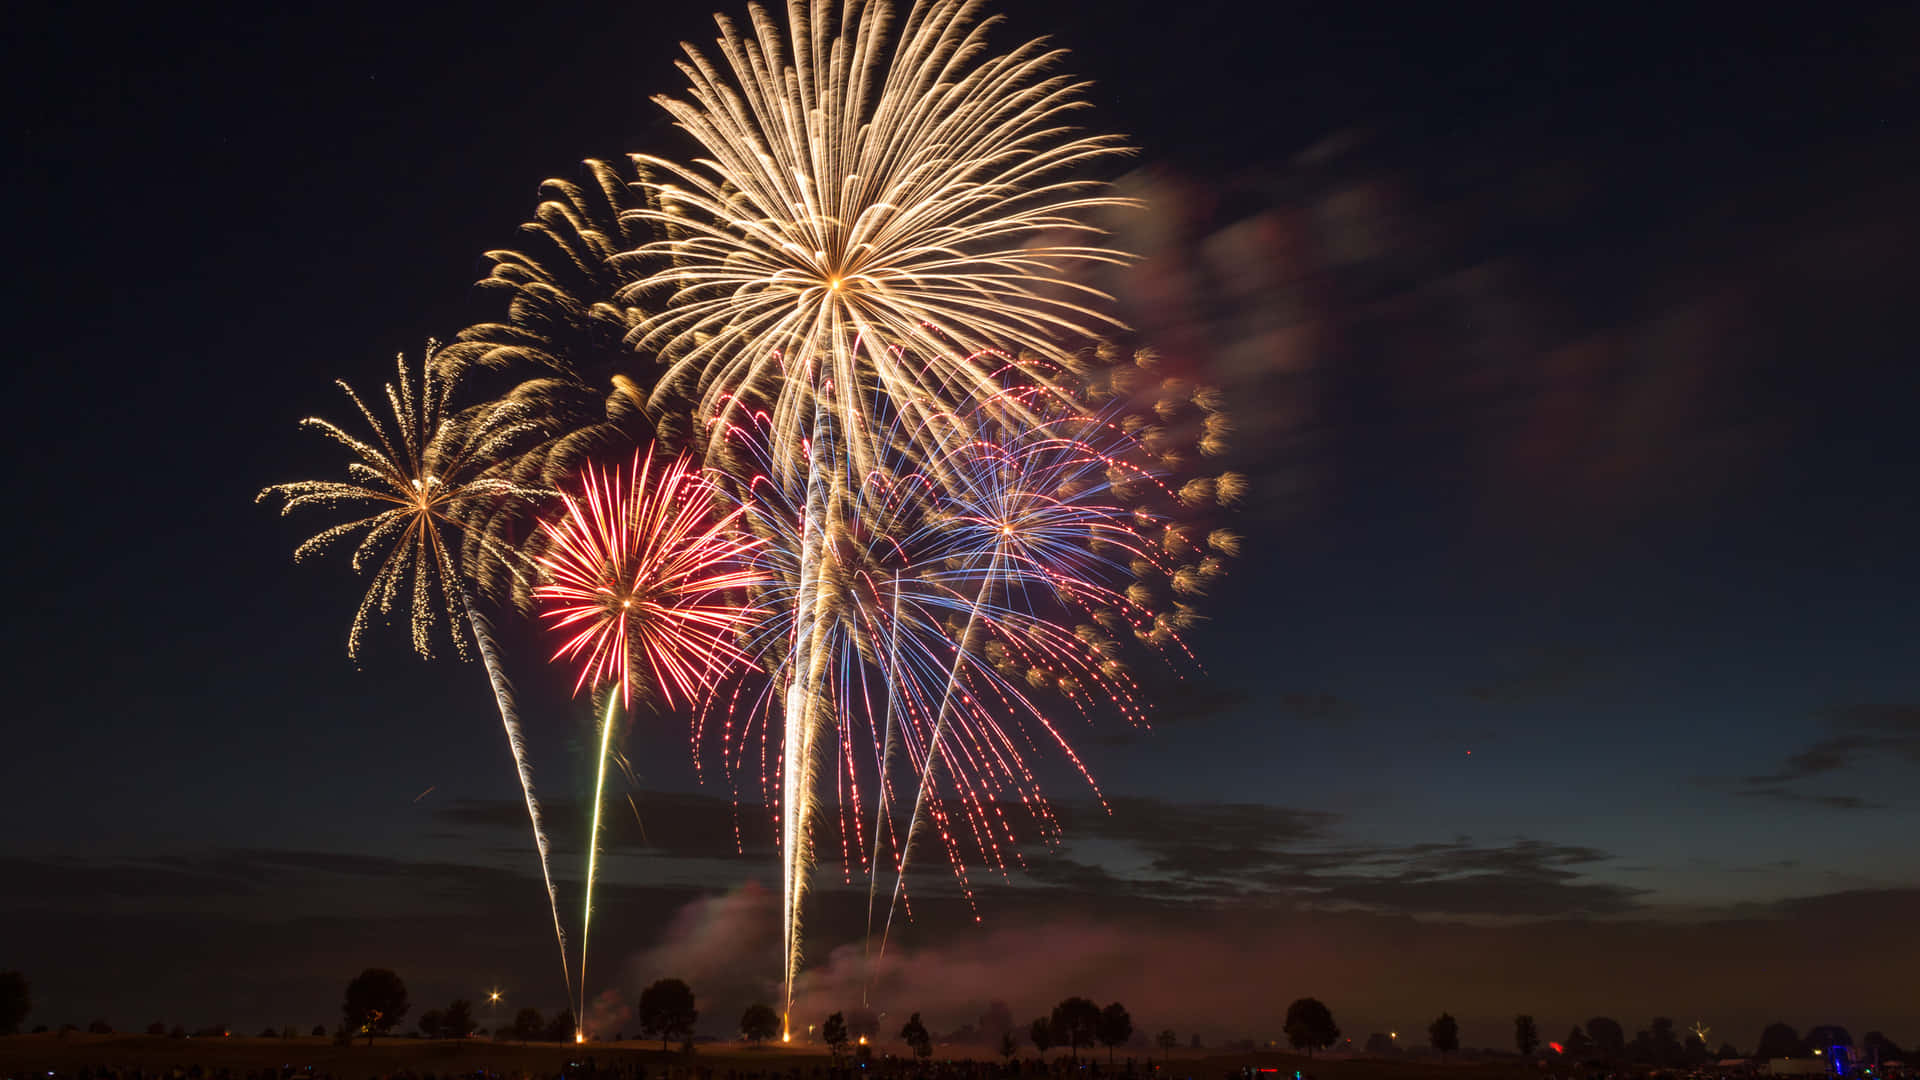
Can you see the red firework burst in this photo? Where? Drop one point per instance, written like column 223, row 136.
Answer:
column 640, row 570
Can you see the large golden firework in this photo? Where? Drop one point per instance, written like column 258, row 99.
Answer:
column 870, row 214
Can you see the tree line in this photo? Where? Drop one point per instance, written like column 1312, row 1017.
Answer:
column 376, row 1002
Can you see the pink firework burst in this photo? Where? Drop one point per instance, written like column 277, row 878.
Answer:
column 641, row 569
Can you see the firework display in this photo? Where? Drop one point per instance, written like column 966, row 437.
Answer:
column 896, row 522
column 874, row 217
column 638, row 573
column 431, row 479
column 956, row 618
column 869, row 211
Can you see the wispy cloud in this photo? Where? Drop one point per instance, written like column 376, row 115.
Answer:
column 1856, row 736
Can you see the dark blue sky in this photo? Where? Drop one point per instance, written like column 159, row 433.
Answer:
column 1575, row 370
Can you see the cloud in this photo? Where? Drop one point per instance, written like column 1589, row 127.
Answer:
column 1158, row 851
column 1796, row 798
column 1173, row 851
column 1334, row 923
column 1857, row 735
column 676, row 824
column 1859, row 732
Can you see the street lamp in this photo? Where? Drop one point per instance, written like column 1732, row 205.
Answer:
column 493, row 1011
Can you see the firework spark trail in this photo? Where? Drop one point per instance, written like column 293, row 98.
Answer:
column 883, row 768
column 933, row 754
column 801, row 717
column 639, row 570
column 593, row 853
column 516, row 741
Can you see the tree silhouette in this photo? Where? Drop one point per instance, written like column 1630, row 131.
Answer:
column 1526, row 1037
column 760, row 1023
column 430, row 1023
column 457, row 1023
column 376, row 1000
column 1609, row 1038
column 1444, row 1034
column 1076, row 1021
column 666, row 1010
column 101, row 1027
column 1167, row 1040
column 834, row 1033
column 560, row 1028
column 1310, row 1025
column 915, row 1034
column 16, row 1001
column 1727, row 1052
column 1041, row 1032
column 1113, row 1028
column 319, row 1030
column 1779, row 1040
column 1009, row 1046
column 526, row 1025
column 996, row 1021
column 1579, row 1045
column 1823, row 1037
column 1663, row 1045
column 1876, row 1047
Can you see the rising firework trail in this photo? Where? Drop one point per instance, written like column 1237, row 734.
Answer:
column 871, row 214
column 640, row 573
column 431, row 478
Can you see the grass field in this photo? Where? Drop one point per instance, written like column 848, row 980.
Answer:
column 38, row 1054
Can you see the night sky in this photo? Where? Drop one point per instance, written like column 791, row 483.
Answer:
column 1571, row 668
